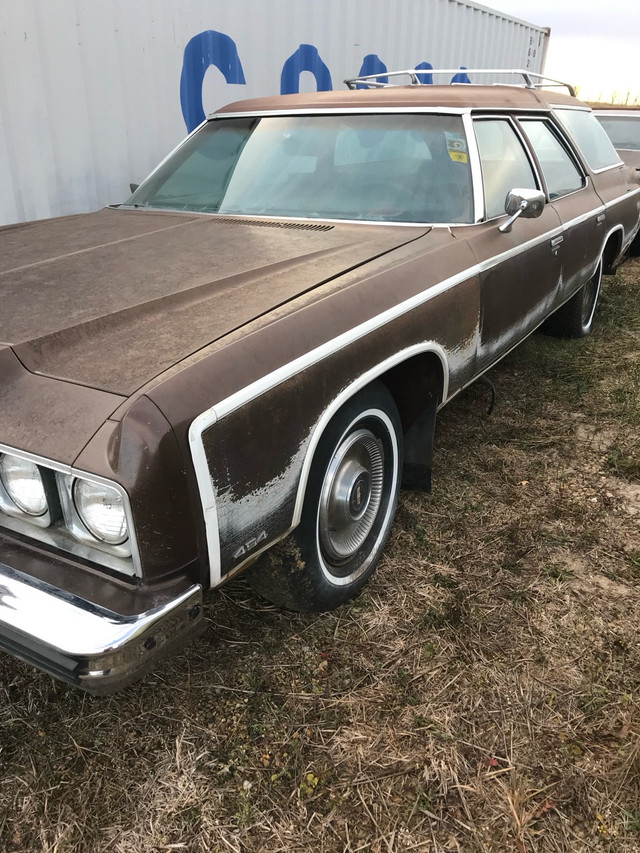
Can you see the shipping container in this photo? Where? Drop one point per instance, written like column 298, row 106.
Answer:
column 94, row 94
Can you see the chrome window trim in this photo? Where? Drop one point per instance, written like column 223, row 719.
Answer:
column 364, row 222
column 345, row 111
column 577, row 107
column 557, row 108
column 159, row 166
column 473, row 153
column 62, row 537
column 462, row 112
column 566, row 144
column 315, row 219
column 619, row 165
column 524, row 142
column 372, row 110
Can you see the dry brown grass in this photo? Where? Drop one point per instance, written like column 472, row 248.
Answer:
column 482, row 694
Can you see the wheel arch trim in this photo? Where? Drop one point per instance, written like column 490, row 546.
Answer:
column 350, row 391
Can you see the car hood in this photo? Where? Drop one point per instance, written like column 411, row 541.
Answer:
column 112, row 299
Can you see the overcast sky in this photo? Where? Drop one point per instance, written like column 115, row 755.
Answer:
column 595, row 44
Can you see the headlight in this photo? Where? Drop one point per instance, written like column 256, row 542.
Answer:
column 101, row 510
column 23, row 484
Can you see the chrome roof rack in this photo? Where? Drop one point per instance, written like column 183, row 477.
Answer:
column 530, row 79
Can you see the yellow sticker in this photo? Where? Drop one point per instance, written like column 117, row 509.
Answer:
column 457, row 147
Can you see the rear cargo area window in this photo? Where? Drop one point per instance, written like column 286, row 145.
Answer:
column 590, row 137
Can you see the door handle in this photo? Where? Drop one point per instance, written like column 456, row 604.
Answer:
column 555, row 243
column 600, row 218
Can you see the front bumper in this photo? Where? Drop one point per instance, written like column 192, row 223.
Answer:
column 86, row 644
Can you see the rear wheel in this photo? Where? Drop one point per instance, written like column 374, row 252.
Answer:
column 574, row 319
column 349, row 506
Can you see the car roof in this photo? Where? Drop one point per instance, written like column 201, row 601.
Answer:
column 462, row 96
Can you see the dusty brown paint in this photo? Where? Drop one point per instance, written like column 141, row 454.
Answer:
column 47, row 417
column 140, row 321
column 159, row 295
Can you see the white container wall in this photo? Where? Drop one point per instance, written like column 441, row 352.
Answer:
column 93, row 94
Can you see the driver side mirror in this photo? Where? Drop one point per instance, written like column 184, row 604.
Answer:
column 522, row 202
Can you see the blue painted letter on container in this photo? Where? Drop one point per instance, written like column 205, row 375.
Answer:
column 372, row 64
column 461, row 77
column 204, row 50
column 306, row 58
column 425, row 79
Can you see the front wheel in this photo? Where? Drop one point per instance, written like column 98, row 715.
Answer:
column 349, row 506
column 574, row 319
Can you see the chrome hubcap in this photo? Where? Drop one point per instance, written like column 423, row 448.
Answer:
column 351, row 495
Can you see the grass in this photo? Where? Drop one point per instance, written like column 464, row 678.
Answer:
column 481, row 694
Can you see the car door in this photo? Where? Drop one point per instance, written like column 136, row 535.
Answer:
column 519, row 269
column 575, row 200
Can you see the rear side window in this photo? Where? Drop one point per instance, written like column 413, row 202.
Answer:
column 505, row 164
column 590, row 136
column 561, row 174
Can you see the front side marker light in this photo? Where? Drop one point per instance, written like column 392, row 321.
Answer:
column 23, row 484
column 101, row 510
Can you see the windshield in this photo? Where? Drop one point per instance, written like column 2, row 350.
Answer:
column 390, row 167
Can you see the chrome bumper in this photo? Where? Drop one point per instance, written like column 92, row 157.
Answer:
column 84, row 644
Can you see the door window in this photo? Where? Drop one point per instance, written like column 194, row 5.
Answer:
column 505, row 164
column 561, row 174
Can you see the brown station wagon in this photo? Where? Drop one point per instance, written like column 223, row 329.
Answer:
column 255, row 345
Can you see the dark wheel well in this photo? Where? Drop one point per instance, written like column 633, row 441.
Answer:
column 611, row 253
column 411, row 383
column 417, row 387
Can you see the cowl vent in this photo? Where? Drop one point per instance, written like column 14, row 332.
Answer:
column 269, row 223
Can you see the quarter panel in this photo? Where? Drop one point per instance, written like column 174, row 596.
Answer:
column 621, row 199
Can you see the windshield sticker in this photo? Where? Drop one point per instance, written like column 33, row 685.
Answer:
column 457, row 147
